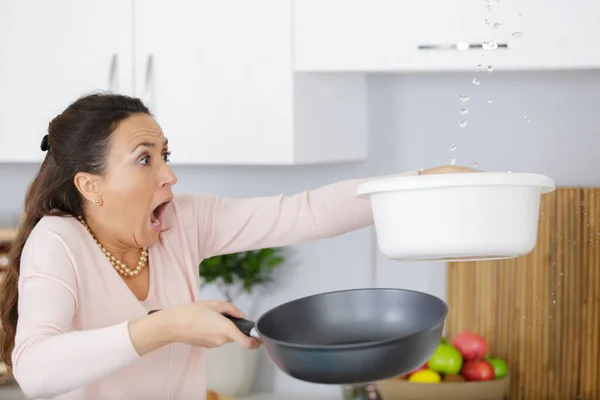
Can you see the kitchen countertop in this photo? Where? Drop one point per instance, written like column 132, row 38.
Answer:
column 281, row 396
column 12, row 392
column 7, row 234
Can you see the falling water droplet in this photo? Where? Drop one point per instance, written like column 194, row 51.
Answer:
column 491, row 45
column 475, row 81
column 462, row 124
column 487, row 21
column 452, row 160
column 488, row 7
column 517, row 34
column 520, row 14
column 475, row 164
column 527, row 118
column 497, row 25
column 453, row 147
column 464, row 111
column 490, row 101
column 479, row 67
column 490, row 68
column 510, row 172
column 464, row 97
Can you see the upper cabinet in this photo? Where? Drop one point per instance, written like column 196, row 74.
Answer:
column 217, row 75
column 51, row 52
column 233, row 82
column 444, row 35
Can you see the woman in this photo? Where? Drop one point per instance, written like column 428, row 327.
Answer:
column 104, row 240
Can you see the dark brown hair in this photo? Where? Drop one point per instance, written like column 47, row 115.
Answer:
column 77, row 141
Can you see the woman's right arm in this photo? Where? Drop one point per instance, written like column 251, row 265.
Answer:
column 50, row 359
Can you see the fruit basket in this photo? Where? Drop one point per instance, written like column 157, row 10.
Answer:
column 462, row 369
column 401, row 389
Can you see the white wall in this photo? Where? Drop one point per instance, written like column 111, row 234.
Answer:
column 413, row 122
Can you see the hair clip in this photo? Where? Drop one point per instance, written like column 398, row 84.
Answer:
column 45, row 145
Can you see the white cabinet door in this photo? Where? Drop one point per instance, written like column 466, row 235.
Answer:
column 378, row 35
column 444, row 35
column 51, row 52
column 217, row 74
column 556, row 34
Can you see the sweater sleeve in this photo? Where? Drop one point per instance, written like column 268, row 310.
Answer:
column 49, row 357
column 233, row 225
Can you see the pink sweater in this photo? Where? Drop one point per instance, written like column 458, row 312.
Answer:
column 72, row 336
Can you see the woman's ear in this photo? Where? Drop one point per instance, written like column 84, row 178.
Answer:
column 89, row 187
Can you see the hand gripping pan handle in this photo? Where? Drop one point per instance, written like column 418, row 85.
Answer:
column 247, row 327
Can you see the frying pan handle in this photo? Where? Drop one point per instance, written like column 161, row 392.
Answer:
column 247, row 327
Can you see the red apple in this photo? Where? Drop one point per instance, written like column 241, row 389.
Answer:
column 478, row 371
column 424, row 366
column 471, row 346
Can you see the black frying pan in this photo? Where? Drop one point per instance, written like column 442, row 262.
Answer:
column 350, row 336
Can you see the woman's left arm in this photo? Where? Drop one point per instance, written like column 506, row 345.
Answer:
column 234, row 225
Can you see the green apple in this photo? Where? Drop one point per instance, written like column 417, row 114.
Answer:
column 500, row 368
column 446, row 360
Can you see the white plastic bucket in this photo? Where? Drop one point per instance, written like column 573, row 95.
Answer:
column 457, row 217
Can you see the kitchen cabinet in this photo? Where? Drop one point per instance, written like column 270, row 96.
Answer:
column 217, row 74
column 51, row 52
column 444, row 35
column 219, row 77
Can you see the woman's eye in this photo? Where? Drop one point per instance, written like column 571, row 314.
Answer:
column 146, row 159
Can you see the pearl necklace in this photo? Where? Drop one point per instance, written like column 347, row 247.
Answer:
column 120, row 266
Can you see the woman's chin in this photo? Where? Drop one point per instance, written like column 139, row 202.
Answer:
column 150, row 237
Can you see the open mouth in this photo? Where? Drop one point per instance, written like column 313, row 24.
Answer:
column 156, row 215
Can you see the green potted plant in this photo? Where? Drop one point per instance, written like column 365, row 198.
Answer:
column 236, row 273
column 230, row 370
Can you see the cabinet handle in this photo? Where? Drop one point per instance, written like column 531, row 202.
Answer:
column 112, row 73
column 148, row 95
column 461, row 46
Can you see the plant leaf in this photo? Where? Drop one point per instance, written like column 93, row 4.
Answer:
column 244, row 269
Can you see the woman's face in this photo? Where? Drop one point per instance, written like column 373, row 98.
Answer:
column 135, row 187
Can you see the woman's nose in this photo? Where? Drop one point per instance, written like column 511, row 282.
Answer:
column 168, row 177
